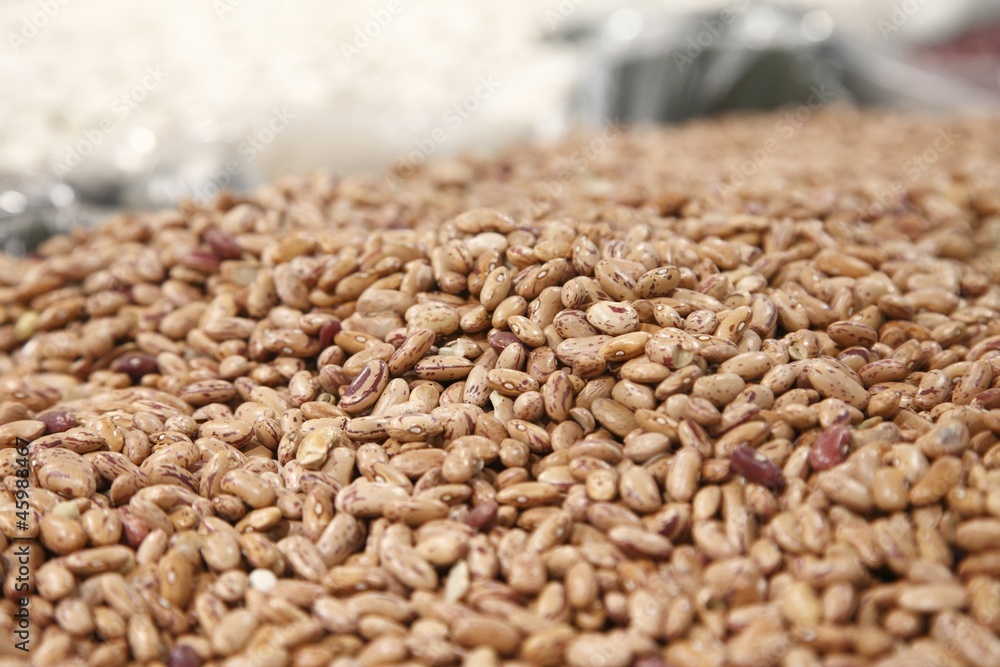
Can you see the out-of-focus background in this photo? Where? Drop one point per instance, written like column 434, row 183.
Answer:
column 115, row 103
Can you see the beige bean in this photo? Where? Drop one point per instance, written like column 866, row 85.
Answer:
column 613, row 318
column 233, row 631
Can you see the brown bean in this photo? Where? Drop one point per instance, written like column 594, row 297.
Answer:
column 757, row 468
column 830, row 447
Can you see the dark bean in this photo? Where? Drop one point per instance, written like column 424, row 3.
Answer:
column 988, row 399
column 499, row 340
column 136, row 365
column 200, row 260
column 223, row 244
column 669, row 528
column 327, row 332
column 757, row 468
column 650, row 661
column 183, row 655
column 58, row 421
column 135, row 528
column 481, row 517
column 830, row 447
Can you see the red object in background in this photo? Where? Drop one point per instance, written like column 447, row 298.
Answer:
column 973, row 55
